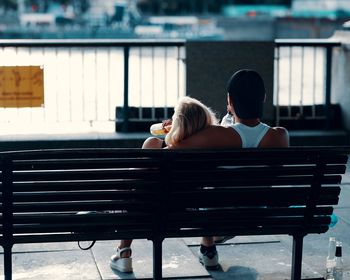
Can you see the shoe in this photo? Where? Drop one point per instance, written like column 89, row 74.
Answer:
column 222, row 239
column 119, row 263
column 210, row 259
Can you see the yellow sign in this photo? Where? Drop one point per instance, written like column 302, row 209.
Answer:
column 21, row 86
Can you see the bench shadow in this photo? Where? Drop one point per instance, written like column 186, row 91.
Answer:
column 124, row 275
column 235, row 272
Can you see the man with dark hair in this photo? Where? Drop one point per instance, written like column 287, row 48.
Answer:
column 246, row 97
column 247, row 92
column 245, row 101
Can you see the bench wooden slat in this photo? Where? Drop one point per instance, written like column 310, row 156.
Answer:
column 187, row 195
column 68, row 237
column 85, row 174
column 139, row 225
column 81, row 206
column 82, row 196
column 265, row 156
column 261, row 222
column 185, row 215
column 116, row 184
column 303, row 189
column 85, row 163
column 84, row 153
column 252, row 181
column 242, row 160
column 91, row 228
column 73, row 216
column 219, row 213
column 252, row 196
column 265, row 171
column 273, row 230
column 240, row 202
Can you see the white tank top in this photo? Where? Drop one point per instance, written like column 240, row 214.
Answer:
column 251, row 136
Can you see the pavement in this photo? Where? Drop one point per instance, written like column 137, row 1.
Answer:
column 243, row 258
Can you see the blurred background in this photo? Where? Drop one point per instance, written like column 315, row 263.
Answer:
column 188, row 19
column 119, row 66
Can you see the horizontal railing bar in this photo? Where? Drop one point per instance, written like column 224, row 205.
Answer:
column 91, row 43
column 304, row 118
column 148, row 42
column 307, row 43
column 119, row 44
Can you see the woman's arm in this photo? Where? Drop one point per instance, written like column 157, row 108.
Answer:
column 211, row 137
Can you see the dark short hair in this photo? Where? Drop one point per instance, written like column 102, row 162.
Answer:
column 247, row 92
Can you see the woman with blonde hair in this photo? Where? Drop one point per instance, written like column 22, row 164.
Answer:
column 190, row 116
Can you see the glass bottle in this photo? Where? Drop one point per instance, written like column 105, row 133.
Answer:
column 227, row 120
column 338, row 268
column 330, row 270
column 331, row 249
column 162, row 128
column 330, row 261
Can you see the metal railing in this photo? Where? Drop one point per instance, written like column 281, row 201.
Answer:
column 303, row 79
column 86, row 80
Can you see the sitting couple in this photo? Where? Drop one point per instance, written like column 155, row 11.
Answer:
column 195, row 126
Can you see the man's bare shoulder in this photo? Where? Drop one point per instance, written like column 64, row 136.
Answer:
column 277, row 137
column 280, row 131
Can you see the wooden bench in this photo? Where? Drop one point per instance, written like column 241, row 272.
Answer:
column 157, row 194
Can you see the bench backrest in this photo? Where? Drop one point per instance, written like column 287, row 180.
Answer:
column 253, row 191
column 145, row 193
column 44, row 190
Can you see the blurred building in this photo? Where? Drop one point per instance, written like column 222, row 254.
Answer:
column 112, row 12
column 321, row 8
column 217, row 19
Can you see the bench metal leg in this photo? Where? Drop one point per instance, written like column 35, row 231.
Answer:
column 157, row 258
column 8, row 262
column 297, row 256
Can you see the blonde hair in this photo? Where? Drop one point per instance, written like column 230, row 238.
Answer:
column 190, row 116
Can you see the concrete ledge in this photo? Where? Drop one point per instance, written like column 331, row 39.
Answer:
column 135, row 140
column 61, row 141
column 319, row 138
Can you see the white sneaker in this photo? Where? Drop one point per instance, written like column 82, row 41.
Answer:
column 119, row 263
column 209, row 259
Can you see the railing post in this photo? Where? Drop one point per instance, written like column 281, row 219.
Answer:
column 277, row 85
column 8, row 262
column 157, row 258
column 297, row 256
column 328, row 86
column 7, row 206
column 125, row 126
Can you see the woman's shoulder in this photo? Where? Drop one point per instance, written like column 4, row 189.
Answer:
column 213, row 136
column 222, row 137
column 221, row 131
